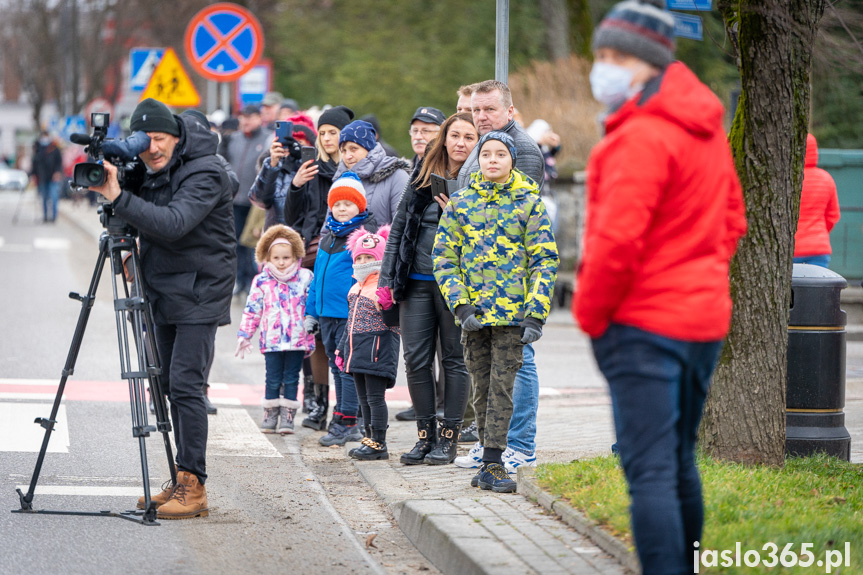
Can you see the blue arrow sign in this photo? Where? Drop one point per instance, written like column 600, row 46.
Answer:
column 686, row 26
column 691, row 5
column 142, row 63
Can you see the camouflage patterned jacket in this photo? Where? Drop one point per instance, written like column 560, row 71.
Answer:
column 495, row 250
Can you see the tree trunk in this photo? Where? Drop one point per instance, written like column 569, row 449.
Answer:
column 744, row 419
column 580, row 27
column 554, row 15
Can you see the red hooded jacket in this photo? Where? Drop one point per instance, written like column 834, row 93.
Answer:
column 819, row 207
column 664, row 214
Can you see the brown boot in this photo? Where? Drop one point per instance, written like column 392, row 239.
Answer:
column 159, row 498
column 188, row 500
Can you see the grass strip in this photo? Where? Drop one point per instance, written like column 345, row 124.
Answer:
column 817, row 500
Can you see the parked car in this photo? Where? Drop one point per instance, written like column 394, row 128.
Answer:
column 12, row 179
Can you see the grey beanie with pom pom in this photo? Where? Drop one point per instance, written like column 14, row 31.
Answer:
column 641, row 28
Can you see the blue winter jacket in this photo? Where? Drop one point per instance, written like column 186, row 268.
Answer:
column 334, row 275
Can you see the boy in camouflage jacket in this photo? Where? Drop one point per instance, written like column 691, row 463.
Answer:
column 495, row 260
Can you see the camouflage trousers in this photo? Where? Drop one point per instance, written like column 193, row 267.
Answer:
column 493, row 355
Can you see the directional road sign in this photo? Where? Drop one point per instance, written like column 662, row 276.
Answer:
column 224, row 41
column 686, row 26
column 142, row 63
column 691, row 5
column 170, row 84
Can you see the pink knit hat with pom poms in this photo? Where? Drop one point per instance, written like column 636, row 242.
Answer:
column 363, row 242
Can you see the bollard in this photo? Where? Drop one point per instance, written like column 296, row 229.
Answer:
column 815, row 383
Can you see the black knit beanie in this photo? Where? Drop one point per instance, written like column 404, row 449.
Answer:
column 338, row 116
column 153, row 116
column 641, row 28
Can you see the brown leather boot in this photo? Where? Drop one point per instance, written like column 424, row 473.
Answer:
column 159, row 498
column 188, row 500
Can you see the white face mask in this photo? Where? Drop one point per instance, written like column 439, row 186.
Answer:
column 610, row 84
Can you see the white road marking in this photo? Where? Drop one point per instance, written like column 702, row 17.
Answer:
column 233, row 434
column 51, row 244
column 19, row 433
column 54, row 382
column 225, row 401
column 15, row 395
column 89, row 490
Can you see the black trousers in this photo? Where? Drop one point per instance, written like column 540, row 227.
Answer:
column 185, row 351
column 423, row 317
column 371, row 390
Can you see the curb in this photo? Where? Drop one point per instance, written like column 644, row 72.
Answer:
column 615, row 547
column 450, row 538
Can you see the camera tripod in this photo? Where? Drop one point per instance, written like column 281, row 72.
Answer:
column 115, row 245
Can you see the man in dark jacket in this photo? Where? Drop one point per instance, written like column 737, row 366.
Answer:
column 48, row 173
column 185, row 218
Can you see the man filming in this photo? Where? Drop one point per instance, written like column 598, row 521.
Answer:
column 184, row 216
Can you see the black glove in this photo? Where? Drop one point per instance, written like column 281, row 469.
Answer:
column 531, row 330
column 466, row 315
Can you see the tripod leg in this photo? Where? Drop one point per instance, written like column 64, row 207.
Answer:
column 86, row 305
column 147, row 360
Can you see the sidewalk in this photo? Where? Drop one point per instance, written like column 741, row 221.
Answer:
column 464, row 530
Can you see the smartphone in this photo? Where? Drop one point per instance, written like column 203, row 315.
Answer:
column 284, row 131
column 438, row 186
column 308, row 153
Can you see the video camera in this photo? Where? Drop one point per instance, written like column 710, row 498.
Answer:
column 121, row 153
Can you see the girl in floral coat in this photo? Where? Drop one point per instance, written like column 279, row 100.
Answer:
column 277, row 304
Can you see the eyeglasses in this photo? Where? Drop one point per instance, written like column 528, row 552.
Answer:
column 426, row 132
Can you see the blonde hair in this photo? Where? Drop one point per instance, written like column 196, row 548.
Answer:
column 322, row 154
column 262, row 250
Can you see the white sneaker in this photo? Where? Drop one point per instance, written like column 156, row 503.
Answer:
column 513, row 459
column 473, row 459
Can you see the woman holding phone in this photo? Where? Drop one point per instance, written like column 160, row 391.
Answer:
column 424, row 317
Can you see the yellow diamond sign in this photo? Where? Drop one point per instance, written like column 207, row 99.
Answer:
column 170, row 84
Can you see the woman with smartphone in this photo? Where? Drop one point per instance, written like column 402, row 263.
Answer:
column 424, row 317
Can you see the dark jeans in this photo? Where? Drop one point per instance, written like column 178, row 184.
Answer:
column 185, row 351
column 658, row 386
column 283, row 367
column 424, row 317
column 371, row 390
column 246, row 268
column 332, row 329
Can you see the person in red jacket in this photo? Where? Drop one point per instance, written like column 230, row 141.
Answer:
column 664, row 214
column 819, row 211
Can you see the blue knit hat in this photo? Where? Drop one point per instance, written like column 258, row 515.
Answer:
column 501, row 137
column 359, row 132
column 641, row 28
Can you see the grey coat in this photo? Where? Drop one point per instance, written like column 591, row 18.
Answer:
column 384, row 179
column 529, row 161
column 243, row 153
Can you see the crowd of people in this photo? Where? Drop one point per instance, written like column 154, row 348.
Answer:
column 368, row 296
column 346, row 253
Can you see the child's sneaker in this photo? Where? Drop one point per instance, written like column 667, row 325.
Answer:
column 495, row 478
column 474, row 481
column 335, row 436
column 513, row 459
column 469, row 434
column 353, row 433
column 287, row 410
column 271, row 415
column 472, row 460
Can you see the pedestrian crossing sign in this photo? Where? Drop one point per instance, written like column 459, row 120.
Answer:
column 170, row 84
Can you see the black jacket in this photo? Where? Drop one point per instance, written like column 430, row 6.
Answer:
column 185, row 217
column 411, row 237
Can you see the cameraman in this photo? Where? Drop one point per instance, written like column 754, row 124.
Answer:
column 184, row 214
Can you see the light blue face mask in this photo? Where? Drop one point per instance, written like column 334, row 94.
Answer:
column 610, row 84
